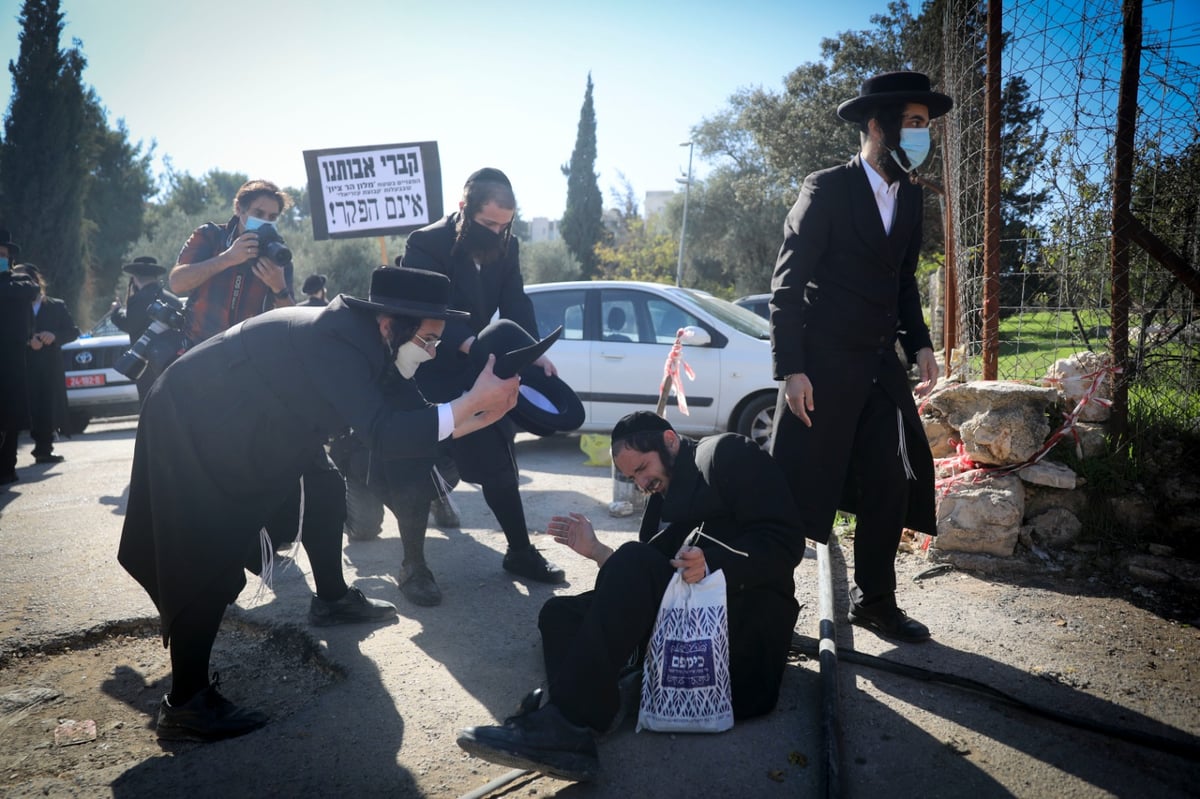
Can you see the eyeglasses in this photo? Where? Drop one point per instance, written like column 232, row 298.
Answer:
column 428, row 344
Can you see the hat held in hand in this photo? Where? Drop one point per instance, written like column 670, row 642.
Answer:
column 513, row 347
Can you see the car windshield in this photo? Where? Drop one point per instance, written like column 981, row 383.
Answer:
column 739, row 318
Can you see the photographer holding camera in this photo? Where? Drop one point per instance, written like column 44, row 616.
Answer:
column 140, row 311
column 238, row 271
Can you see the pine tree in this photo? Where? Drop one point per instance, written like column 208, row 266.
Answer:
column 582, row 226
column 43, row 154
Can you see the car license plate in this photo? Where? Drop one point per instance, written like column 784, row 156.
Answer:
column 84, row 381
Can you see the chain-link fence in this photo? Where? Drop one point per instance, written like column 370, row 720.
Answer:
column 1034, row 279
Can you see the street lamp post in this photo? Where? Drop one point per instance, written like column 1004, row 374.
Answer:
column 687, row 189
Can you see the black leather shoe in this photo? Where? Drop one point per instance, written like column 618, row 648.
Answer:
column 890, row 622
column 418, row 586
column 48, row 458
column 354, row 607
column 444, row 515
column 529, row 563
column 207, row 716
column 539, row 741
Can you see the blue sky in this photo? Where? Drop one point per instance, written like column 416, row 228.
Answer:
column 247, row 87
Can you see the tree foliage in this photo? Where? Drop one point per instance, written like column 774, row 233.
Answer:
column 581, row 226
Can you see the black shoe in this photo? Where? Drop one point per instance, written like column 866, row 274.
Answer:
column 529, row 563
column 539, row 741
column 207, row 716
column 444, row 514
column 353, row 607
column 358, row 534
column 418, row 586
column 629, row 691
column 889, row 621
column 49, row 458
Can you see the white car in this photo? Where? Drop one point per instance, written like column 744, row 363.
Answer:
column 94, row 387
column 615, row 341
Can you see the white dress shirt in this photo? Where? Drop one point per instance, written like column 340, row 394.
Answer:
column 885, row 195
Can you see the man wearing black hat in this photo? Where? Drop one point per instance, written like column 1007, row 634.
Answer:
column 17, row 293
column 314, row 287
column 844, row 289
column 231, row 428
column 731, row 490
column 53, row 326
column 474, row 247
column 144, row 290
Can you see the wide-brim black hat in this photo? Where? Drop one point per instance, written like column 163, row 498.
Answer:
column 144, row 266
column 408, row 292
column 314, row 283
column 512, row 345
column 546, row 405
column 14, row 249
column 895, row 87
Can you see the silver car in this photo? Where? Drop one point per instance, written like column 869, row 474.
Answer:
column 616, row 338
column 94, row 387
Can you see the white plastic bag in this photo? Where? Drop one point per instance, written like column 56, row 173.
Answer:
column 685, row 683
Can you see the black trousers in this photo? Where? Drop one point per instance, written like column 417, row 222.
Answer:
column 588, row 638
column 487, row 457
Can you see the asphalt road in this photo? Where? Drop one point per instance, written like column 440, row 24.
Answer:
column 386, row 725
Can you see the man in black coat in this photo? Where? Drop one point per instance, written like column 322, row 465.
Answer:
column 314, row 287
column 17, row 293
column 475, row 249
column 145, row 289
column 732, row 490
column 847, row 432
column 232, row 427
column 52, row 327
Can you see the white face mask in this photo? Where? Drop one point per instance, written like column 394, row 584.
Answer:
column 915, row 143
column 409, row 357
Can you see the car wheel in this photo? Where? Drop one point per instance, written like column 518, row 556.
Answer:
column 77, row 422
column 757, row 418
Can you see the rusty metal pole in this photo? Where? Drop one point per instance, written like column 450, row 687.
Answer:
column 1121, row 215
column 991, row 195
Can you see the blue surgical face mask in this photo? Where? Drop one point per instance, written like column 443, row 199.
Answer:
column 3, row 264
column 254, row 223
column 915, row 143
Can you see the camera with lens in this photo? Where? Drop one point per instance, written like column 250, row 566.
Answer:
column 271, row 245
column 158, row 346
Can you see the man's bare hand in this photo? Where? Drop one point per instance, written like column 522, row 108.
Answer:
column 691, row 560
column 576, row 531
column 270, row 273
column 546, row 364
column 798, row 392
column 244, row 248
column 928, row 369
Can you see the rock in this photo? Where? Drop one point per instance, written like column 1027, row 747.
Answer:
column 982, row 517
column 999, row 422
column 1162, row 550
column 1132, row 511
column 1057, row 528
column 1091, row 439
column 1184, row 522
column 1004, row 436
column 942, row 437
column 71, row 732
column 1181, row 489
column 1048, row 473
column 1070, row 377
column 1039, row 499
column 1149, row 568
column 26, row 697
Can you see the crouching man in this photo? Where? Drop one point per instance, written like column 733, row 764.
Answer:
column 737, row 492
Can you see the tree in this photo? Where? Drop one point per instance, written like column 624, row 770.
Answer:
column 581, row 226
column 43, row 156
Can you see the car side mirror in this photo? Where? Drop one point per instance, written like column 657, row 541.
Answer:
column 696, row 336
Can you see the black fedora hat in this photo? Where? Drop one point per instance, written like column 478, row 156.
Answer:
column 14, row 249
column 314, row 283
column 545, row 404
column 895, row 87
column 408, row 292
column 513, row 347
column 144, row 266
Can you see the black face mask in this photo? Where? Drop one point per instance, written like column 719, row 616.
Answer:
column 482, row 244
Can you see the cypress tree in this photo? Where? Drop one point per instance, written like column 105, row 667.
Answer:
column 43, row 155
column 582, row 226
